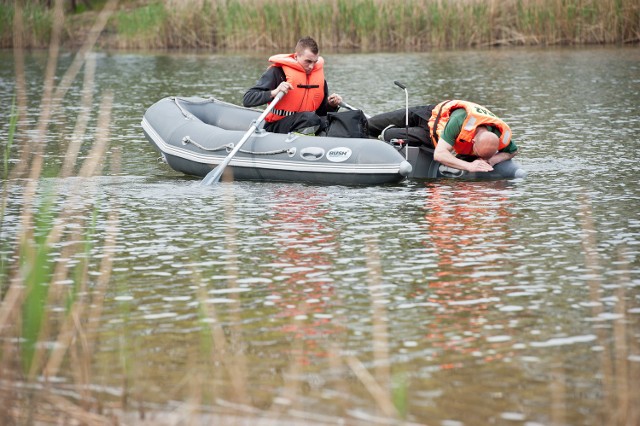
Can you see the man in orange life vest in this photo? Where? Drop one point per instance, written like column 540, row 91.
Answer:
column 465, row 135
column 300, row 76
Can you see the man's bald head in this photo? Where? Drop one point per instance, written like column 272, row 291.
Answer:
column 485, row 144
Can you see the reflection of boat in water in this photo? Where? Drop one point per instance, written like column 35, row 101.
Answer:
column 196, row 134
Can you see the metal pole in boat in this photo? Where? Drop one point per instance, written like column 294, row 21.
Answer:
column 406, row 117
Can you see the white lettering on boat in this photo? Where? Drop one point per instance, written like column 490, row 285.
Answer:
column 339, row 154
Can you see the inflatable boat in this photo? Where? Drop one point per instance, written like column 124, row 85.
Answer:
column 195, row 134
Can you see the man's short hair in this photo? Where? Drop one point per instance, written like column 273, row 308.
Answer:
column 307, row 43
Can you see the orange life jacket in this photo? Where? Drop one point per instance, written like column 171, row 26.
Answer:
column 308, row 90
column 476, row 116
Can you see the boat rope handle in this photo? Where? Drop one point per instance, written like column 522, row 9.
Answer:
column 187, row 114
column 281, row 151
column 195, row 102
column 187, row 140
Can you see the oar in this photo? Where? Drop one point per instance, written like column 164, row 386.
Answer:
column 214, row 175
column 347, row 106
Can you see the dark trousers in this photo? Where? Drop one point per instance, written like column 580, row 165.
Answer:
column 308, row 123
column 418, row 125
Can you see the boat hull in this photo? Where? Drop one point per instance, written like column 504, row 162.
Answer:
column 195, row 134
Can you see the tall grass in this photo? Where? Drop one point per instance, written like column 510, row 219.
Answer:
column 37, row 32
column 347, row 24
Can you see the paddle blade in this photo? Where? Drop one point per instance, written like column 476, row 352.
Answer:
column 213, row 176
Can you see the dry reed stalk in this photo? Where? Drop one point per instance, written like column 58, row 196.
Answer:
column 233, row 361
column 222, row 353
column 83, row 118
column 619, row 374
column 69, row 410
column 336, row 365
column 18, row 54
column 378, row 386
column 633, row 417
column 379, row 318
column 238, row 363
column 35, row 166
column 627, row 390
column 558, row 395
column 288, row 399
column 379, row 394
column 12, row 301
column 49, row 102
column 91, row 165
column 88, row 45
column 51, row 95
column 106, row 263
column 15, row 293
column 620, row 362
column 589, row 246
column 89, row 168
column 71, row 327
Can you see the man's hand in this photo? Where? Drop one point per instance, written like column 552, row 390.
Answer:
column 334, row 100
column 479, row 165
column 284, row 87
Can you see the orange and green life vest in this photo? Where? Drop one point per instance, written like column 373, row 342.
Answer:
column 477, row 115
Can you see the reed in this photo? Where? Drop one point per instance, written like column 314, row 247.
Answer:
column 30, row 285
column 38, row 19
column 362, row 25
column 13, row 121
column 142, row 23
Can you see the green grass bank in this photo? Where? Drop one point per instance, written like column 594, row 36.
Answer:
column 360, row 25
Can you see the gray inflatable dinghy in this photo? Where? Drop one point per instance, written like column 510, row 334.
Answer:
column 195, row 134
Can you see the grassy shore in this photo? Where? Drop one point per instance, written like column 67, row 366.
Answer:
column 361, row 25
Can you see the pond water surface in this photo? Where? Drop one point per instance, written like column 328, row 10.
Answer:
column 499, row 302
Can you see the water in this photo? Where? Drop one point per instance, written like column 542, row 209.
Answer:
column 503, row 302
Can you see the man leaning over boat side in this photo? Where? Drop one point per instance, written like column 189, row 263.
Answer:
column 300, row 76
column 474, row 138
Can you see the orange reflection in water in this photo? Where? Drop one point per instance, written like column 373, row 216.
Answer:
column 305, row 240
column 467, row 224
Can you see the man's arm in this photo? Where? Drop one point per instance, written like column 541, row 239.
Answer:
column 260, row 94
column 444, row 149
column 502, row 156
column 326, row 106
column 506, row 153
column 443, row 154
